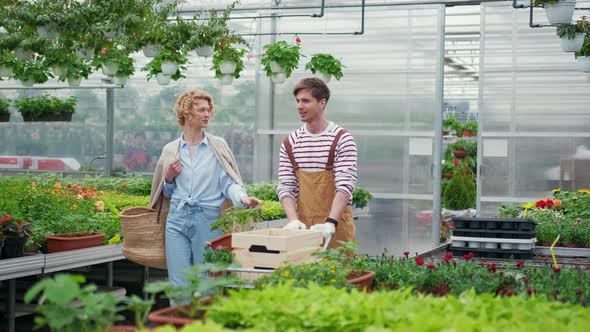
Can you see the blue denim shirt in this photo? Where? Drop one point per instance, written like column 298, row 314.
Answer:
column 202, row 181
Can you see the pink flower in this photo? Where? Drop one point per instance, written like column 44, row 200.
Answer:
column 219, row 248
column 103, row 51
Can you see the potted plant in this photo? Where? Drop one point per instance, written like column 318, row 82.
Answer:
column 460, row 149
column 192, row 294
column 46, row 27
column 15, row 234
column 279, row 60
column 448, row 168
column 206, row 35
column 76, row 70
column 451, row 123
column 28, row 46
column 326, row 66
column 361, row 198
column 58, row 58
column 108, row 59
column 571, row 36
column 65, row 305
column 171, row 60
column 459, row 193
column 4, row 111
column 32, row 72
column 583, row 57
column 228, row 63
column 470, row 128
column 558, row 11
column 125, row 70
column 154, row 69
column 7, row 63
column 46, row 108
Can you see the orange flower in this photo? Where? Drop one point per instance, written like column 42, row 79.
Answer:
column 57, row 185
column 34, row 184
column 557, row 202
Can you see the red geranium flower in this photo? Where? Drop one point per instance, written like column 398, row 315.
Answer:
column 519, row 264
column 540, row 204
column 448, row 256
column 556, row 269
column 456, row 162
column 406, row 253
column 492, row 267
column 431, row 266
column 468, row 256
column 5, row 218
column 419, row 261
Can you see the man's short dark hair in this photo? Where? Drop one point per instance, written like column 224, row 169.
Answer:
column 140, row 134
column 318, row 88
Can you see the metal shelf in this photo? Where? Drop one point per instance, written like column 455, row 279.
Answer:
column 22, row 266
column 82, row 257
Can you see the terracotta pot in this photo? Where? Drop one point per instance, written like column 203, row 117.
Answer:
column 72, row 241
column 224, row 241
column 176, row 317
column 447, row 175
column 467, row 133
column 361, row 279
column 460, row 154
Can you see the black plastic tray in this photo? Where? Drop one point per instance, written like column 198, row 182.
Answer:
column 491, row 233
column 493, row 253
column 494, row 224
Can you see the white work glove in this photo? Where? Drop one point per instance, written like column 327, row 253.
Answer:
column 295, row 224
column 327, row 229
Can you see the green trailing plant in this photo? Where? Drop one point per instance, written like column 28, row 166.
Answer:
column 4, row 106
column 65, row 305
column 471, row 125
column 227, row 53
column 452, row 123
column 460, row 192
column 77, row 68
column 154, row 67
column 570, row 31
column 237, row 220
column 213, row 30
column 325, row 63
column 45, row 104
column 361, row 197
column 59, row 55
column 285, row 55
column 33, row 70
column 126, row 67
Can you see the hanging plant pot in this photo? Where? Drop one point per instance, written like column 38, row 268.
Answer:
column 121, row 80
column 5, row 117
column 23, row 54
column 48, row 117
column 467, row 133
column 60, row 70
column 27, row 83
column 227, row 67
column 583, row 63
column 561, row 12
column 227, row 79
column 460, row 154
column 151, row 50
column 110, row 69
column 85, row 53
column 205, row 51
column 74, row 81
column 163, row 79
column 5, row 71
column 572, row 45
column 278, row 78
column 73, row 241
column 275, row 67
column 169, row 67
column 48, row 31
column 14, row 246
column 325, row 77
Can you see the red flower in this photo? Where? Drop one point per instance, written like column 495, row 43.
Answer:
column 556, row 269
column 406, row 253
column 549, row 202
column 468, row 256
column 540, row 204
column 519, row 264
column 448, row 256
column 456, row 162
column 530, row 291
column 510, row 293
column 431, row 266
column 419, row 261
column 5, row 218
column 492, row 267
column 525, row 280
column 297, row 40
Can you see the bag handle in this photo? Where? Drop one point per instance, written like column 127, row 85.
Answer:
column 160, row 208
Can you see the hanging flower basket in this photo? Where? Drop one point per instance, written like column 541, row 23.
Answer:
column 151, row 50
column 460, row 153
column 560, row 12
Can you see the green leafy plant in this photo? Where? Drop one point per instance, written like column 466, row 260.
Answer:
column 264, row 191
column 325, row 63
column 154, row 67
column 77, row 68
column 460, row 192
column 570, row 31
column 220, row 255
column 33, row 70
column 227, row 53
column 237, row 220
column 7, row 59
column 361, row 197
column 126, row 67
column 471, row 125
column 452, row 123
column 585, row 50
column 214, row 30
column 285, row 55
column 541, row 3
column 509, row 210
column 140, row 308
column 4, row 106
column 66, row 306
column 272, row 210
column 46, row 104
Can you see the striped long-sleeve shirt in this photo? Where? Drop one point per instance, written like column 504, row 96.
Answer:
column 311, row 154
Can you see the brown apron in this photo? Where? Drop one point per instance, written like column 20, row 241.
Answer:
column 316, row 194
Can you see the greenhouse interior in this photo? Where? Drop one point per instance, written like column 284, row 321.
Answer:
column 392, row 165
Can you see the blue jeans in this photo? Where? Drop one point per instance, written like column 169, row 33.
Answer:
column 187, row 231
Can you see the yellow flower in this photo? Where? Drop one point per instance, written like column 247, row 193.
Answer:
column 555, row 191
column 584, row 191
column 575, row 198
column 34, row 184
column 286, row 274
column 115, row 239
column 333, row 280
column 528, row 205
column 99, row 206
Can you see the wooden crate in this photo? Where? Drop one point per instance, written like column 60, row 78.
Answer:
column 277, row 239
column 269, row 248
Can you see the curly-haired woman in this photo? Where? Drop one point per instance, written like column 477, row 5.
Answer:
column 195, row 174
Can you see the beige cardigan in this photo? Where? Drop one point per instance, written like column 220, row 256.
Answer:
column 170, row 153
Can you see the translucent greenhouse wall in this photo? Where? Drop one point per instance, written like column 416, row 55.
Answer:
column 533, row 110
column 390, row 100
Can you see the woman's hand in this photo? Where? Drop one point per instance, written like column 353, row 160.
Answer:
column 250, row 201
column 173, row 170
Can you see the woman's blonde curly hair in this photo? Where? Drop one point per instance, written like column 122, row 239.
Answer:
column 184, row 104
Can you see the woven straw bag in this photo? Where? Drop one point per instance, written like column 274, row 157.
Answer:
column 144, row 236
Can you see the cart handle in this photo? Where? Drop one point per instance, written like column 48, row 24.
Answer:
column 327, row 242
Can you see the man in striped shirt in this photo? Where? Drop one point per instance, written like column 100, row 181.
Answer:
column 318, row 168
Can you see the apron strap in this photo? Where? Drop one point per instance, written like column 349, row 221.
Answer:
column 330, row 163
column 289, row 150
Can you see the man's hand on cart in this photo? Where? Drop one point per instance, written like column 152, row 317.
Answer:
column 295, row 224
